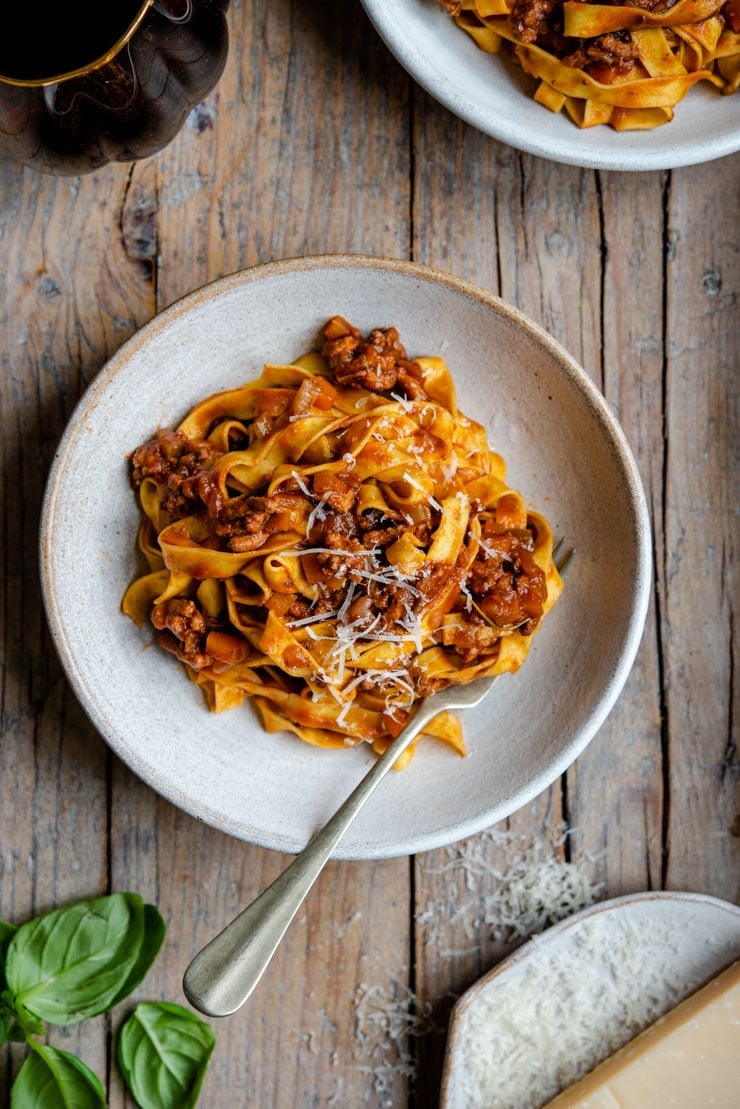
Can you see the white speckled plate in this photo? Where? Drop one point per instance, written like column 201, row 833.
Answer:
column 493, row 94
column 565, row 452
column 592, row 969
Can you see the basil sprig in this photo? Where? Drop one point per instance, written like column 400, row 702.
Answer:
column 163, row 1053
column 78, row 962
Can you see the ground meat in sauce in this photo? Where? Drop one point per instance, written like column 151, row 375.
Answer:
column 338, row 532
column 541, row 22
column 506, row 583
column 182, row 468
column 609, row 57
column 182, row 631
column 377, row 363
column 175, row 463
column 617, row 50
column 531, row 18
column 337, row 490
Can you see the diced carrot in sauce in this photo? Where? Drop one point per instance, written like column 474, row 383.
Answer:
column 394, row 723
column 226, row 648
column 326, row 396
column 274, row 402
column 279, row 603
column 314, row 392
column 604, row 74
column 338, row 327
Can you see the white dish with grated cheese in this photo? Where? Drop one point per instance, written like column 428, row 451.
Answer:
column 573, row 995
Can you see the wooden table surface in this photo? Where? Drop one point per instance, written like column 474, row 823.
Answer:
column 316, row 140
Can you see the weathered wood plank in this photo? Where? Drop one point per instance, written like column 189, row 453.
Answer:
column 529, row 231
column 619, row 840
column 699, row 574
column 71, row 295
column 295, row 1041
column 302, row 148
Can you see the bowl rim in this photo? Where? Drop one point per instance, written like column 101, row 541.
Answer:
column 532, row 947
column 117, row 363
column 465, row 107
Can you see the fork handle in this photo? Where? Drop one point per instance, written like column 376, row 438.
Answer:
column 222, row 976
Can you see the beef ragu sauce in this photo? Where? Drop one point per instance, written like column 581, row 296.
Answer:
column 503, row 587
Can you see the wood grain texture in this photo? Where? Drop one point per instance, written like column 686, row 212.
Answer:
column 306, row 155
column 700, row 528
column 619, row 840
column 70, row 297
column 315, row 140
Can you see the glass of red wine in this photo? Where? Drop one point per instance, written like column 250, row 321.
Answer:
column 88, row 82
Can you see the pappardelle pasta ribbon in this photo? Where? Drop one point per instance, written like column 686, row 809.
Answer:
column 624, row 65
column 336, row 540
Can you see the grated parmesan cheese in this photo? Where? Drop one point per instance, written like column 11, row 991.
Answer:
column 449, row 471
column 417, row 485
column 318, row 512
column 553, row 1016
column 405, row 403
column 533, row 892
column 385, row 1023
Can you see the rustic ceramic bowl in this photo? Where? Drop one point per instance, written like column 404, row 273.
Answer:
column 492, row 93
column 598, row 977
column 565, row 452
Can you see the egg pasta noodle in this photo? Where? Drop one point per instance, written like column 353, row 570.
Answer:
column 624, row 65
column 336, row 540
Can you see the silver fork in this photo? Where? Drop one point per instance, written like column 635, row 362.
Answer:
column 222, row 976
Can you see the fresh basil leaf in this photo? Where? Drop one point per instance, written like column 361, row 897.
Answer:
column 53, row 1079
column 8, row 1026
column 163, row 1053
column 153, row 938
column 79, row 961
column 7, row 931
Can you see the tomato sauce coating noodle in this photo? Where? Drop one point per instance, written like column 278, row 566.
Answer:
column 625, row 65
column 336, row 540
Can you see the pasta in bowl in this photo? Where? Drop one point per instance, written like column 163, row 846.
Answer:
column 337, row 540
column 623, row 65
column 539, row 411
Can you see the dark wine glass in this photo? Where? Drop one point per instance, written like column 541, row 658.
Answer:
column 87, row 82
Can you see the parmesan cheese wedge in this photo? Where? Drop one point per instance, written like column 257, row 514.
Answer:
column 689, row 1058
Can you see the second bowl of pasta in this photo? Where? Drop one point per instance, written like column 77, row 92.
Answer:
column 625, row 87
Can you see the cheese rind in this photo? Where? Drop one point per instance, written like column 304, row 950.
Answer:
column 688, row 1059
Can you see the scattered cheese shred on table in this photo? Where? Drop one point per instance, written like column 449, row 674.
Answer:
column 534, row 891
column 385, row 1022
